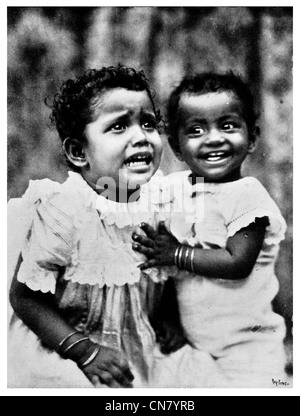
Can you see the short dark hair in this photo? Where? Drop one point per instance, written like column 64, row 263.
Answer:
column 206, row 83
column 73, row 107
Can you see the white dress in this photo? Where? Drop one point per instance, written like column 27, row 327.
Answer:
column 237, row 339
column 78, row 246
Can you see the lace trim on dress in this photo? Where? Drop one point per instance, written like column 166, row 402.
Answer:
column 120, row 275
column 37, row 278
column 120, row 214
column 104, row 271
column 77, row 200
column 79, row 193
column 275, row 231
column 40, row 279
column 93, row 271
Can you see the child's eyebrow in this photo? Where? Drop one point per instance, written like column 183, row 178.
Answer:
column 148, row 113
column 194, row 119
column 116, row 116
column 124, row 116
column 232, row 114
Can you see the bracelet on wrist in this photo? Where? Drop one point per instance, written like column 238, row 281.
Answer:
column 86, row 361
column 63, row 341
column 64, row 352
column 180, row 256
column 184, row 257
column 192, row 260
column 176, row 255
column 187, row 252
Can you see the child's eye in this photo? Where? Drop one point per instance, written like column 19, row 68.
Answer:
column 149, row 125
column 229, row 126
column 118, row 127
column 196, row 131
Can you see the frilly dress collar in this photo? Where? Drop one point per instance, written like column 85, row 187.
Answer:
column 115, row 213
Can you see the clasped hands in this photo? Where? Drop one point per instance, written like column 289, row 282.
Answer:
column 159, row 246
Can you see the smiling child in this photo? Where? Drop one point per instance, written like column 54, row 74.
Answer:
column 225, row 259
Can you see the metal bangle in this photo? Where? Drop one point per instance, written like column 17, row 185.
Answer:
column 180, row 257
column 74, row 343
column 91, row 357
column 66, row 338
column 192, row 260
column 176, row 255
column 187, row 252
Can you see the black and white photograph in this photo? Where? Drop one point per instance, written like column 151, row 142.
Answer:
column 150, row 199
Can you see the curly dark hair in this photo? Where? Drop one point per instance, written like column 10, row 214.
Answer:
column 206, row 83
column 74, row 106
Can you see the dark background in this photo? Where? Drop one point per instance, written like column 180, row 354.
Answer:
column 48, row 45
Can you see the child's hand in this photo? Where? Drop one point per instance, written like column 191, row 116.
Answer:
column 159, row 246
column 170, row 338
column 109, row 368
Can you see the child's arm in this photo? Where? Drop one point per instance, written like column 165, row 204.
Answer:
column 38, row 311
column 233, row 263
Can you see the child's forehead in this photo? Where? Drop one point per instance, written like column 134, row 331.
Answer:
column 224, row 100
column 118, row 99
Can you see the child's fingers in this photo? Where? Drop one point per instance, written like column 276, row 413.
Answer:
column 148, row 264
column 127, row 372
column 144, row 241
column 106, row 378
column 122, row 364
column 96, row 382
column 120, row 376
column 150, row 231
column 162, row 229
column 148, row 252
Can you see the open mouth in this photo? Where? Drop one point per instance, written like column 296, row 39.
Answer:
column 139, row 160
column 215, row 157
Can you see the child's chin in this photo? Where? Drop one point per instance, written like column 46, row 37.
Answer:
column 139, row 178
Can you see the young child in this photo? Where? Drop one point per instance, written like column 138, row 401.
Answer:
column 81, row 303
column 225, row 257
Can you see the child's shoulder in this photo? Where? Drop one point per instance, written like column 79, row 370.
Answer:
column 248, row 186
column 249, row 200
column 68, row 197
column 247, row 183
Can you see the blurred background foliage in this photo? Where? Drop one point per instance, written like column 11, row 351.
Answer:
column 48, row 45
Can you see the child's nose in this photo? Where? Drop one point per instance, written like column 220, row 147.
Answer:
column 214, row 137
column 139, row 137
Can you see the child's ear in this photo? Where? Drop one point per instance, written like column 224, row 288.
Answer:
column 253, row 139
column 74, row 151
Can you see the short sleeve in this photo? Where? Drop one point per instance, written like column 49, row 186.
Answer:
column 251, row 201
column 49, row 245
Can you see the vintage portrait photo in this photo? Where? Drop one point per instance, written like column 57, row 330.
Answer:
column 150, row 197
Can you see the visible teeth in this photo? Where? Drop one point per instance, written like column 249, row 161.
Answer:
column 138, row 160
column 132, row 164
column 217, row 154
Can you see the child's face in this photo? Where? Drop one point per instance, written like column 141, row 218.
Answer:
column 213, row 135
column 123, row 142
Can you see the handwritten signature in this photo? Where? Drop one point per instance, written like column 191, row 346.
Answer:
column 280, row 383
